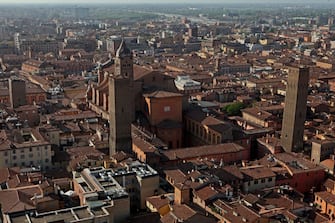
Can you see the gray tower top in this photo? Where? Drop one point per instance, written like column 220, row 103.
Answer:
column 123, row 50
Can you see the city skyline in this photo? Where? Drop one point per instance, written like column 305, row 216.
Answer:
column 208, row 111
column 168, row 2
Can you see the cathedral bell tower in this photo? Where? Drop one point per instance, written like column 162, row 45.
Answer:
column 121, row 101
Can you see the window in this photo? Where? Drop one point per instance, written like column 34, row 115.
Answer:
column 30, row 149
column 6, row 153
column 167, row 108
column 14, row 157
column 256, row 182
column 46, row 160
column 270, row 179
column 262, row 180
column 23, row 164
column 22, row 156
column 31, row 155
column 14, row 151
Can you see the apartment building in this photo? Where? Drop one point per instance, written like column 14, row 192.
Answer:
column 131, row 183
column 25, row 147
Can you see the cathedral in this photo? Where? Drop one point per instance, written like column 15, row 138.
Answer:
column 122, row 90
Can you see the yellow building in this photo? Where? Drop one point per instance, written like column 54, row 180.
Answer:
column 160, row 204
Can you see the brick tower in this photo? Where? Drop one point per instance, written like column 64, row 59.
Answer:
column 121, row 101
column 295, row 109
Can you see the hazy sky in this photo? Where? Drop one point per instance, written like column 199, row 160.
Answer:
column 155, row 1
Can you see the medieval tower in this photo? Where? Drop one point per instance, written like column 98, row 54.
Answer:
column 121, row 101
column 295, row 109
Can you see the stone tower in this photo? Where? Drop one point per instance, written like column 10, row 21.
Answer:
column 121, row 101
column 295, row 109
column 17, row 92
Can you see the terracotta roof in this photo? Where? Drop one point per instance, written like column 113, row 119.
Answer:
column 82, row 115
column 6, row 173
column 329, row 164
column 17, row 200
column 216, row 124
column 258, row 172
column 32, row 62
column 272, row 141
column 251, row 199
column 319, row 218
column 326, row 196
column 208, row 120
column 256, row 112
column 18, row 181
column 158, row 201
column 236, row 212
column 84, row 151
column 228, row 173
column 178, row 212
column 120, row 156
column 206, row 193
column 202, row 151
column 329, row 184
column 296, row 163
column 162, row 94
column 176, row 175
column 143, row 145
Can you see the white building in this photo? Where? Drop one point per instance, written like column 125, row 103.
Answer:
column 186, row 85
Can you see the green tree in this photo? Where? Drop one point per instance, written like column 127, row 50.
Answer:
column 234, row 109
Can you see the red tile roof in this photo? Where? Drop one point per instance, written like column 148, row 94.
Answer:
column 202, row 151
